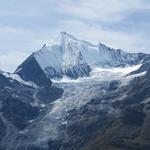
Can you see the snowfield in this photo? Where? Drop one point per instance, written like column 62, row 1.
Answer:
column 101, row 74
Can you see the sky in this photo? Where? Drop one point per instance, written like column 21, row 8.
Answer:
column 26, row 25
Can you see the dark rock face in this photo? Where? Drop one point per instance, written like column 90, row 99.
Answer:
column 19, row 112
column 54, row 145
column 71, row 71
column 21, row 104
column 138, row 90
column 30, row 70
column 145, row 67
column 120, row 58
column 49, row 94
column 133, row 116
column 2, row 129
column 78, row 71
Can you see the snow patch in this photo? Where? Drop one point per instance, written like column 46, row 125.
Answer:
column 18, row 78
column 126, row 80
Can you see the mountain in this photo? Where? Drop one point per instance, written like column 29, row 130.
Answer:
column 111, row 113
column 107, row 109
column 68, row 56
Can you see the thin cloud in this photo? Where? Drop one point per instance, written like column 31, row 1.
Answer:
column 96, row 33
column 10, row 60
column 108, row 10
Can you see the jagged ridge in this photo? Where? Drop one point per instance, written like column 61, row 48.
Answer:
column 68, row 56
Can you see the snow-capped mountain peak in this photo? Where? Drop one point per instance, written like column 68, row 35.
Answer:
column 61, row 39
column 67, row 55
column 62, row 56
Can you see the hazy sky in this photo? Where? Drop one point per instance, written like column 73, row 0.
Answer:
column 25, row 25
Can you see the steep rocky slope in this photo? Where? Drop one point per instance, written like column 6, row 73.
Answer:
column 20, row 103
column 92, row 114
